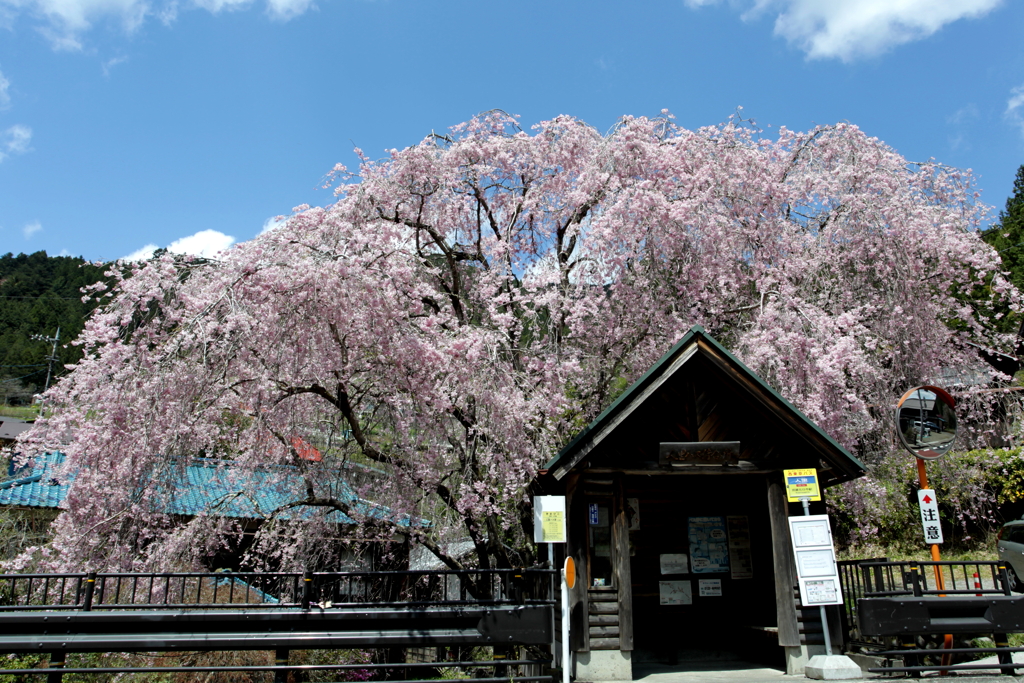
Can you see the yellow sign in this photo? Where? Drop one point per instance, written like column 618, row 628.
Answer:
column 802, row 484
column 554, row 526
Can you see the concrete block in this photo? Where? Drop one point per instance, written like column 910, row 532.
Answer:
column 797, row 657
column 832, row 668
column 604, row 665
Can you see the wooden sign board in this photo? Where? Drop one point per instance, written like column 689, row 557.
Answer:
column 691, row 453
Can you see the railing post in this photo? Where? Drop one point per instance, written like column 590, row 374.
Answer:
column 280, row 659
column 307, row 588
column 1004, row 657
column 915, row 579
column 1004, row 578
column 57, row 660
column 879, row 580
column 90, row 588
column 910, row 659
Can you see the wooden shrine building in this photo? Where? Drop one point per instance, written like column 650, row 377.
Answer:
column 676, row 513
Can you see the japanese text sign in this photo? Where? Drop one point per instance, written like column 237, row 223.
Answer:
column 802, row 484
column 930, row 523
column 549, row 519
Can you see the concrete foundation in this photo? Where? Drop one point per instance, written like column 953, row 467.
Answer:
column 797, row 657
column 832, row 668
column 604, row 665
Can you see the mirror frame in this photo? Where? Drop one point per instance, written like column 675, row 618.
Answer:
column 926, row 453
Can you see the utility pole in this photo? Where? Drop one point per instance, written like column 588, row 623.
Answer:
column 49, row 363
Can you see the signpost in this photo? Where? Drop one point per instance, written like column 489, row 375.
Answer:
column 926, row 425
column 812, row 542
column 549, row 527
column 816, row 571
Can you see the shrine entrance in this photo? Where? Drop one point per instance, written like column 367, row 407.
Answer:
column 677, row 517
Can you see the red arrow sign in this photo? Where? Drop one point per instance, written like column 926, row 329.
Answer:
column 927, row 498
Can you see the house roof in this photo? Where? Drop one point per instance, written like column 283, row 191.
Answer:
column 699, row 391
column 35, row 486
column 205, row 486
column 11, row 427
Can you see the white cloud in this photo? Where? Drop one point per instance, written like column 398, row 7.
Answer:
column 65, row 22
column 15, row 140
column 141, row 254
column 273, row 223
column 5, row 97
column 1014, row 106
column 31, row 228
column 964, row 114
column 205, row 243
column 287, row 9
column 850, row 29
column 111, row 63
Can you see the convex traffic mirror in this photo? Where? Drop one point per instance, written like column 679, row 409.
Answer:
column 926, row 421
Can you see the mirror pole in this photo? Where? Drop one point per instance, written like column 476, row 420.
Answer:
column 947, row 641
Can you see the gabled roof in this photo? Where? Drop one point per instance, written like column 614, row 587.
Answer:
column 699, row 391
column 206, row 486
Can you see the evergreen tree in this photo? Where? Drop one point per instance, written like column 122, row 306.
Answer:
column 1007, row 237
column 38, row 294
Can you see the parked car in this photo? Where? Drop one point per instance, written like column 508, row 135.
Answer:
column 1010, row 542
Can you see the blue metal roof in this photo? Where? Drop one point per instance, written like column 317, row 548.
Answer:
column 206, row 486
column 36, row 486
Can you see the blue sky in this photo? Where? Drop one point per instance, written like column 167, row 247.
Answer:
column 191, row 123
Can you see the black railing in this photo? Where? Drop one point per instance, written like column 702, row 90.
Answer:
column 855, row 584
column 979, row 578
column 192, row 590
column 283, row 611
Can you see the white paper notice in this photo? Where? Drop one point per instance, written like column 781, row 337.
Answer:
column 815, row 563
column 810, row 533
column 676, row 592
column 822, row 591
column 675, row 564
column 710, row 588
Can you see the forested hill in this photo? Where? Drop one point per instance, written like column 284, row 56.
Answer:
column 38, row 294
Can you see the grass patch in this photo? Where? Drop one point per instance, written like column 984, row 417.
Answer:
column 20, row 412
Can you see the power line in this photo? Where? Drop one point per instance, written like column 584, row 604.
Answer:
column 15, row 379
column 42, row 296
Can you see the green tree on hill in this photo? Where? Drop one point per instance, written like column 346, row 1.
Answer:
column 38, row 294
column 1007, row 237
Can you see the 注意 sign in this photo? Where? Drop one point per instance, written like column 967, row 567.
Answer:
column 930, row 523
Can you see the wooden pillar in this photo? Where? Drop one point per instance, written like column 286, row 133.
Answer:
column 579, row 607
column 620, row 558
column 785, row 571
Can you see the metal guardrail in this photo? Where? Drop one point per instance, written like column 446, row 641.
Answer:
column 235, row 590
column 60, row 614
column 977, row 578
column 893, row 603
column 855, row 584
